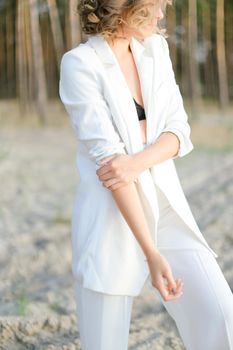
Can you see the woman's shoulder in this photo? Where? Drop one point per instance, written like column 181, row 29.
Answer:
column 80, row 54
column 79, row 68
column 156, row 41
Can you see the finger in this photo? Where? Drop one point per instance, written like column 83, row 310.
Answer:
column 177, row 281
column 170, row 281
column 105, row 160
column 163, row 289
column 167, row 296
column 179, row 287
column 103, row 169
column 106, row 176
column 117, row 185
column 110, row 182
column 173, row 296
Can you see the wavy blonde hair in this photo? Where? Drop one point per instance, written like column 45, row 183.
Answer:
column 106, row 17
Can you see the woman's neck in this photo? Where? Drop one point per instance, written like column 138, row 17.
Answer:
column 121, row 44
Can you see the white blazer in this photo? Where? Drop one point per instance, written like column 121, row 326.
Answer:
column 106, row 256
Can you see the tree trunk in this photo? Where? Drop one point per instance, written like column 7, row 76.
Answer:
column 221, row 56
column 171, row 25
column 38, row 60
column 209, row 75
column 21, row 73
column 184, row 55
column 56, row 30
column 229, row 45
column 10, row 69
column 73, row 29
column 193, row 66
column 2, row 56
column 29, row 56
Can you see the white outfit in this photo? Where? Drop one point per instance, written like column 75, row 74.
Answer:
column 104, row 117
column 203, row 314
column 108, row 263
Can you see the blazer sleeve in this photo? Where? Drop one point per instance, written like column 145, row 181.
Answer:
column 177, row 119
column 80, row 92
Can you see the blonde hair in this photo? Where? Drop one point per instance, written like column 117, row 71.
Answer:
column 106, row 17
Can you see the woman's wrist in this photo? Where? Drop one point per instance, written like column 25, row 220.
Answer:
column 151, row 253
column 139, row 162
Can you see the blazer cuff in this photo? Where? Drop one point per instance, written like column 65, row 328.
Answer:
column 186, row 145
column 109, row 152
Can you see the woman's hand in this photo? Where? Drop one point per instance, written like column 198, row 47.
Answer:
column 162, row 278
column 117, row 171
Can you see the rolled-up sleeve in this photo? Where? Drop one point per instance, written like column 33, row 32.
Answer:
column 176, row 119
column 90, row 116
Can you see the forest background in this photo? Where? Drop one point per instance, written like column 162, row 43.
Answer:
column 38, row 177
column 35, row 34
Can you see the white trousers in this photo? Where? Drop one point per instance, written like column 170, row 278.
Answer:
column 203, row 314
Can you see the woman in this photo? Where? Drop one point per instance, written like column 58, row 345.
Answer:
column 130, row 218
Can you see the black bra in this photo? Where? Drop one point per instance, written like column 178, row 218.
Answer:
column 140, row 111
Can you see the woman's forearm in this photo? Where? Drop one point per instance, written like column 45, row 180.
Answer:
column 129, row 203
column 165, row 147
column 127, row 198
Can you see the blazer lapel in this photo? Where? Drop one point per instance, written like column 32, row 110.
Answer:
column 144, row 63
column 118, row 94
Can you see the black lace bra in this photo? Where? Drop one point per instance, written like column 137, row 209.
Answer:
column 140, row 111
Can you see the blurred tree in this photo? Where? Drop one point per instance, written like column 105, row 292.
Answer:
column 38, row 62
column 35, row 33
column 207, row 44
column 56, row 30
column 73, row 29
column 21, row 66
column 9, row 44
column 221, row 55
column 229, row 43
column 184, row 57
column 171, row 25
column 195, row 92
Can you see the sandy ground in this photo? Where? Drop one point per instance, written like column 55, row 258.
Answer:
column 38, row 180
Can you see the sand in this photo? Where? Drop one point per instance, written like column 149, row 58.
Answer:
column 38, row 180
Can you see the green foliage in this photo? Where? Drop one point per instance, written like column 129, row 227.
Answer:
column 22, row 303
